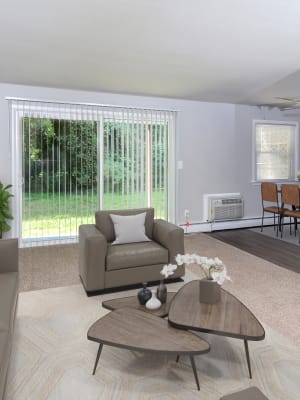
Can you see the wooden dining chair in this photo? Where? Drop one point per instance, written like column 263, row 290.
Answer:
column 269, row 194
column 290, row 196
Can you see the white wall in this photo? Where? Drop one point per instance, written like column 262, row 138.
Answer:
column 214, row 140
column 243, row 140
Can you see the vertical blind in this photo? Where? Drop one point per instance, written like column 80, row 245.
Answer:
column 75, row 159
column 275, row 151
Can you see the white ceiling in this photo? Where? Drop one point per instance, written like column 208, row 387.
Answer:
column 240, row 51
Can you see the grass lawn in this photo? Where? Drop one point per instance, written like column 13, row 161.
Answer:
column 60, row 215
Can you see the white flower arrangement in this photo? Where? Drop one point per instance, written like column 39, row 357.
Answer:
column 168, row 270
column 213, row 268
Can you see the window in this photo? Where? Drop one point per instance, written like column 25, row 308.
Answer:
column 77, row 159
column 275, row 150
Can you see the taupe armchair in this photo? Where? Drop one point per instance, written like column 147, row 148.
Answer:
column 103, row 266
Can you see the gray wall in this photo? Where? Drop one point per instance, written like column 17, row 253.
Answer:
column 214, row 141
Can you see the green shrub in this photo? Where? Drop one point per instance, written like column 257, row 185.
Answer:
column 4, row 208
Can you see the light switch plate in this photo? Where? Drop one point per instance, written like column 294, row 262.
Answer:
column 180, row 164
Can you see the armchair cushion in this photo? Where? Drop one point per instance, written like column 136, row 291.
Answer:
column 105, row 225
column 135, row 255
column 129, row 228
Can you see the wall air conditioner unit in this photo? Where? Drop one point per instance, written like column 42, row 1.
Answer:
column 223, row 206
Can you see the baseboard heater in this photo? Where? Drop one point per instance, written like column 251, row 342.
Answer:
column 223, row 207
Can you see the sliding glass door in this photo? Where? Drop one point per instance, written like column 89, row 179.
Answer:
column 135, row 165
column 75, row 160
column 59, row 169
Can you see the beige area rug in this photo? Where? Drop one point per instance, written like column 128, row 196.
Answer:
column 48, row 267
column 52, row 358
column 270, row 291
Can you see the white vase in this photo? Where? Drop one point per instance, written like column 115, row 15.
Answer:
column 153, row 303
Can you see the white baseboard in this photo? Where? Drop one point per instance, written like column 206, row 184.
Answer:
column 223, row 225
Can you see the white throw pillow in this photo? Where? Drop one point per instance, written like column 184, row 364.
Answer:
column 129, row 228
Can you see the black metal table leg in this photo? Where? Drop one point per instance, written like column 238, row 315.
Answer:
column 177, row 358
column 195, row 371
column 295, row 219
column 248, row 357
column 97, row 358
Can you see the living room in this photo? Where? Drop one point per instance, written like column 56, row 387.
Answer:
column 208, row 77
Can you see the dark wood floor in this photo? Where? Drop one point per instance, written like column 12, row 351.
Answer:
column 281, row 253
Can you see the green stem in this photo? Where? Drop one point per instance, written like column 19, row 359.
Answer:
column 210, row 268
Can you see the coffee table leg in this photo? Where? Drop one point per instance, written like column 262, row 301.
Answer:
column 248, row 357
column 177, row 358
column 97, row 358
column 195, row 371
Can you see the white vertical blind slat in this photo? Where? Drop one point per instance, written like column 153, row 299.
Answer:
column 166, row 127
column 137, row 154
column 123, row 158
column 142, row 125
column 100, row 162
column 127, row 158
column 132, row 160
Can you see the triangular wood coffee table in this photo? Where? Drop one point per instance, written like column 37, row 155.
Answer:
column 229, row 317
column 132, row 302
column 132, row 329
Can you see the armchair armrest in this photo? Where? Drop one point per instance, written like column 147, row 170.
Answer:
column 92, row 253
column 170, row 236
column 9, row 255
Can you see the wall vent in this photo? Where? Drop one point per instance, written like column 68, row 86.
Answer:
column 223, row 206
